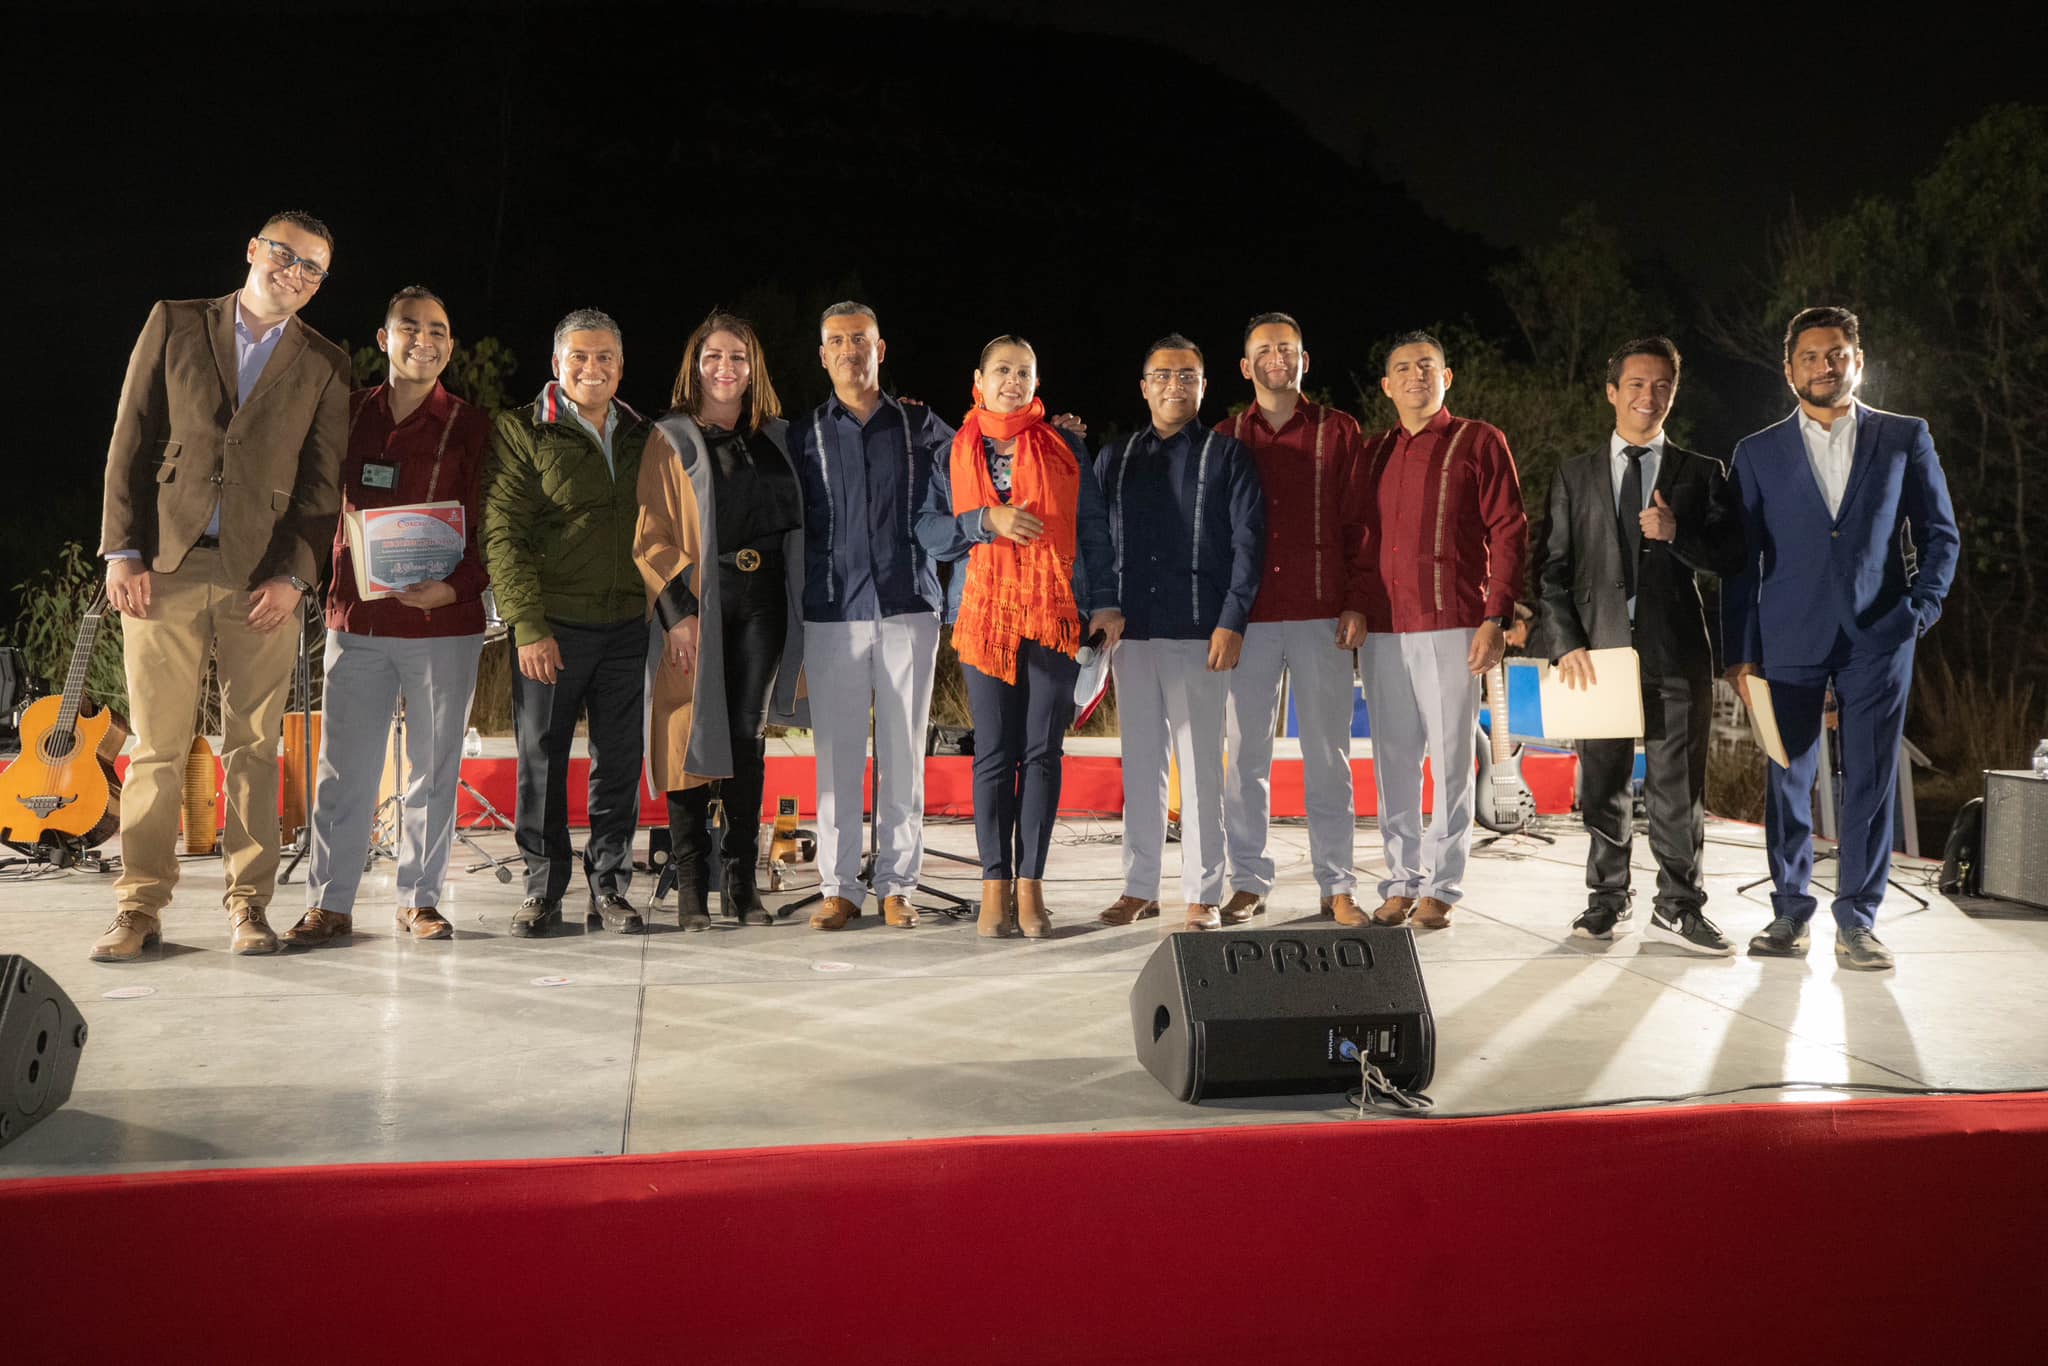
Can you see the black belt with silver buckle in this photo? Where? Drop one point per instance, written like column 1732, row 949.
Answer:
column 747, row 559
column 207, row 543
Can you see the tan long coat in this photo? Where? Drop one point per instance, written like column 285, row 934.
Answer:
column 687, row 741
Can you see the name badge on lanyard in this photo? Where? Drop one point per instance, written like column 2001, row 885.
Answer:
column 379, row 476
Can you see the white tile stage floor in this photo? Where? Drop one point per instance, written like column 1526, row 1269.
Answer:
column 380, row 1049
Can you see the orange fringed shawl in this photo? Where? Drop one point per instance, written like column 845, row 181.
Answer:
column 1017, row 592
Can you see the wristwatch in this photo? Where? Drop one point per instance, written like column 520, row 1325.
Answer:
column 1504, row 620
column 300, row 584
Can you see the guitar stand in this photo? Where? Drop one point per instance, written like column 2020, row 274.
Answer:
column 490, row 818
column 1527, row 832
column 951, row 906
column 48, row 856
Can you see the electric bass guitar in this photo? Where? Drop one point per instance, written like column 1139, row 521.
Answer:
column 63, row 785
column 1502, row 802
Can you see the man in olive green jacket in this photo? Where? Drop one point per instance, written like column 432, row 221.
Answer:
column 560, row 503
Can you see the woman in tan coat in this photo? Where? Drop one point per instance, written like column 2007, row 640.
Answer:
column 720, row 545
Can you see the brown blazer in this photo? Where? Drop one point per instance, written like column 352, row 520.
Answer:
column 181, row 444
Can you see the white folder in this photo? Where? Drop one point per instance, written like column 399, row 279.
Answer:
column 1612, row 709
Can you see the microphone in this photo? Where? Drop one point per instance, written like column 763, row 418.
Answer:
column 1090, row 647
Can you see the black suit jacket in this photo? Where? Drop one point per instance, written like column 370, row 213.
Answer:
column 1585, row 599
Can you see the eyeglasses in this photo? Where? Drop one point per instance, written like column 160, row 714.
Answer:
column 1163, row 378
column 286, row 258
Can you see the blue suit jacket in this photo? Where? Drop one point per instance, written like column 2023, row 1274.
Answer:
column 1809, row 579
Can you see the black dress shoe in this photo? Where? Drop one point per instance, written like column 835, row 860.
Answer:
column 617, row 913
column 536, row 916
column 742, row 897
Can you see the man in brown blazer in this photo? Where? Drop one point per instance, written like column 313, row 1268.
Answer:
column 221, row 497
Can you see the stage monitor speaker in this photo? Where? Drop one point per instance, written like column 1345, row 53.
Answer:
column 41, row 1036
column 2014, row 857
column 1265, row 1012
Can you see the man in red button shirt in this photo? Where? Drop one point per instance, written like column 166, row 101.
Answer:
column 409, row 441
column 1445, row 537
column 1308, row 458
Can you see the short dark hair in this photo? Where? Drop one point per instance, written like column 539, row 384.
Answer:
column 849, row 308
column 1659, row 346
column 304, row 222
column 1827, row 315
column 1260, row 320
column 1417, row 338
column 414, row 292
column 1172, row 341
column 1007, row 339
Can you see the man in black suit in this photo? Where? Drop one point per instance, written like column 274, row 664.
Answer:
column 1630, row 524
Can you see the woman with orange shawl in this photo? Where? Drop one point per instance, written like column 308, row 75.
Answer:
column 1026, row 495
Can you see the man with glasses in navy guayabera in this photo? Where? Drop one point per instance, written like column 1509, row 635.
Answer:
column 221, row 497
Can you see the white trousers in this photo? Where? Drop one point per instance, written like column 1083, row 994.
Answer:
column 1167, row 701
column 1423, row 701
column 852, row 668
column 1306, row 653
column 366, row 677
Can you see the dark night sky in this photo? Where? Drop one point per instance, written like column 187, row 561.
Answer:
column 1091, row 175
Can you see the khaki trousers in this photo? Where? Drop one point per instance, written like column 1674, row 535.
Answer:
column 190, row 612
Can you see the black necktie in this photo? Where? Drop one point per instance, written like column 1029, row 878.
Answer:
column 1628, row 515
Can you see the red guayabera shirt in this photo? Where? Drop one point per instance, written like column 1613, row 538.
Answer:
column 1446, row 534
column 1315, row 511
column 436, row 455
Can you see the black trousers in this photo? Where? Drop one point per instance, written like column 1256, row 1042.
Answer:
column 1677, row 718
column 753, row 613
column 604, row 673
column 1019, row 733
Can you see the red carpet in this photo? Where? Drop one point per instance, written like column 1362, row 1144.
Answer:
column 1876, row 1231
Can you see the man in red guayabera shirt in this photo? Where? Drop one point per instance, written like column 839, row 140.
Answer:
column 1303, row 624
column 409, row 441
column 1446, row 536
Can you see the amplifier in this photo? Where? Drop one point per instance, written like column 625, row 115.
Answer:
column 2014, row 859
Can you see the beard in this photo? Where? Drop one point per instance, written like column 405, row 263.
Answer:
column 1834, row 397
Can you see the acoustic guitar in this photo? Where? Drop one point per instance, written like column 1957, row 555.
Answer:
column 1502, row 802
column 63, row 784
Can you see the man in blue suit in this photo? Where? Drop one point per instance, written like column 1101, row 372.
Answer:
column 1850, row 548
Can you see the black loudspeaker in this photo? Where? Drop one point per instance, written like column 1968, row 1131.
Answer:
column 2014, row 861
column 1266, row 1012
column 41, row 1036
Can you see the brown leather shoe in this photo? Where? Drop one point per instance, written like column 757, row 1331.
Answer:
column 898, row 912
column 833, row 913
column 1202, row 917
column 1343, row 908
column 127, row 937
column 1394, row 911
column 998, row 909
column 424, row 922
column 1126, row 909
column 1242, row 906
column 315, row 928
column 1432, row 914
column 1033, row 920
column 250, row 932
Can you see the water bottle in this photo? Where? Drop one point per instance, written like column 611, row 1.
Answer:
column 473, row 747
column 2041, row 760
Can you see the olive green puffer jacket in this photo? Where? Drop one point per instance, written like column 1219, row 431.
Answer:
column 558, row 525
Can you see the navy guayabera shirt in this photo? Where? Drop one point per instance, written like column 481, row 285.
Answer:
column 1188, row 519
column 863, row 487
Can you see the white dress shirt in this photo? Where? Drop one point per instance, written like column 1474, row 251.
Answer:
column 1831, row 451
column 1618, row 463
